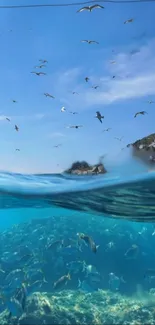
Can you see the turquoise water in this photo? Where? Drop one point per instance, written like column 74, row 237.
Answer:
column 42, row 217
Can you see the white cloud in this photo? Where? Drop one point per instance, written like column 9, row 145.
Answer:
column 134, row 73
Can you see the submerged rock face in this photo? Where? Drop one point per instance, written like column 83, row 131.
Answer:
column 77, row 307
column 83, row 168
column 144, row 148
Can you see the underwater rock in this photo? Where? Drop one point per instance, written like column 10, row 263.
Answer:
column 144, row 148
column 7, row 319
column 83, row 168
column 76, row 307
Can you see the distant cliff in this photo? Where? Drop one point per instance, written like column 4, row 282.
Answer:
column 144, row 148
column 83, row 168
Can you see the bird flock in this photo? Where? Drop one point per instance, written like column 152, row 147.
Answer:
column 43, row 64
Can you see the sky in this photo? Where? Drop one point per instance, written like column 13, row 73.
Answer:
column 55, row 34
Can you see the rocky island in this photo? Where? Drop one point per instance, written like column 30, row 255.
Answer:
column 83, row 168
column 144, row 148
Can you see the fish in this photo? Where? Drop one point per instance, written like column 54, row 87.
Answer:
column 12, row 274
column 149, row 273
column 89, row 242
column 26, row 258
column 132, row 252
column 94, row 277
column 61, row 281
column 76, row 266
column 55, row 245
column 90, row 269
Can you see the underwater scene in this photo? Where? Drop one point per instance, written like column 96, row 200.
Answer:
column 68, row 256
column 77, row 165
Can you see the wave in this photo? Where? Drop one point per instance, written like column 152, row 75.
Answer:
column 111, row 195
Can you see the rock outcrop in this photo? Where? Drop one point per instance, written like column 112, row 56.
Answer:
column 144, row 148
column 83, row 168
column 77, row 307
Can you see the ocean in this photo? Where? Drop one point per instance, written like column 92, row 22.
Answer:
column 71, row 245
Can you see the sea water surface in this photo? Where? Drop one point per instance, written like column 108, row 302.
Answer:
column 126, row 193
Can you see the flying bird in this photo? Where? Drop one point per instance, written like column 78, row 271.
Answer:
column 14, row 101
column 150, row 101
column 63, row 109
column 113, row 77
column 119, row 139
column 40, row 66
column 113, row 62
column 17, row 149
column 99, row 116
column 16, row 128
column 140, row 113
column 73, row 113
column 43, row 61
column 106, row 130
column 8, row 119
column 75, row 93
column 48, row 95
column 86, row 79
column 89, row 41
column 129, row 21
column 95, row 87
column 57, row 146
column 90, row 8
column 39, row 73
column 74, row 126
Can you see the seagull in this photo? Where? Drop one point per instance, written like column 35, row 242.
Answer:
column 75, row 93
column 48, row 95
column 63, row 109
column 119, row 139
column 17, row 149
column 8, row 119
column 57, row 146
column 129, row 21
column 40, row 66
column 16, row 128
column 150, row 101
column 99, row 116
column 73, row 113
column 86, row 79
column 140, row 113
column 113, row 62
column 39, row 73
column 95, row 87
column 106, row 130
column 89, row 41
column 43, row 61
column 74, row 126
column 90, row 8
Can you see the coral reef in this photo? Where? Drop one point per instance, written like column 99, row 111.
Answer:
column 77, row 307
column 83, row 168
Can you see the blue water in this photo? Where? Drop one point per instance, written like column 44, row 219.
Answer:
column 37, row 210
column 126, row 192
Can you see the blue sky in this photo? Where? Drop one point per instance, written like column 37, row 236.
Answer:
column 55, row 34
